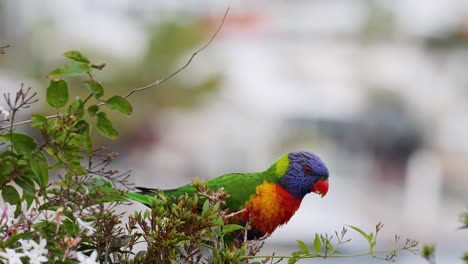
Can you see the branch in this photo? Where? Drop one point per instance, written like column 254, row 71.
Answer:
column 158, row 82
column 27, row 122
column 153, row 84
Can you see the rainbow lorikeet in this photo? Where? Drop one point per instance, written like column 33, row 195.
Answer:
column 270, row 198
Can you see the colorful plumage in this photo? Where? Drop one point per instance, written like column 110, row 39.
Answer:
column 270, row 197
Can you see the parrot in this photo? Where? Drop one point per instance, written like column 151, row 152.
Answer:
column 267, row 199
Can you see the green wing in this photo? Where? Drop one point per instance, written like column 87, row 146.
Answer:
column 239, row 186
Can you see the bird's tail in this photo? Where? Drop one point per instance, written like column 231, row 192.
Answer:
column 144, row 195
column 146, row 191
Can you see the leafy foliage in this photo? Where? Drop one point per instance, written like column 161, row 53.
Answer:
column 176, row 230
column 64, row 149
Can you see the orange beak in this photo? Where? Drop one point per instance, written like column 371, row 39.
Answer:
column 320, row 187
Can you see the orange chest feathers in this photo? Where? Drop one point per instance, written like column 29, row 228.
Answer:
column 270, row 207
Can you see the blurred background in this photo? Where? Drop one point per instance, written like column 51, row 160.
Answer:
column 378, row 89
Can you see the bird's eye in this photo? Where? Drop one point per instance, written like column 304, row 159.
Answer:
column 307, row 170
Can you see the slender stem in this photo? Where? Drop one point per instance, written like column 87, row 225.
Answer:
column 28, row 121
column 158, row 82
column 325, row 256
column 87, row 98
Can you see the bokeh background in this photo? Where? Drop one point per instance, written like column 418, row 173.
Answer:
column 378, row 89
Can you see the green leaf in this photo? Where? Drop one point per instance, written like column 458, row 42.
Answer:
column 70, row 227
column 293, row 259
column 120, row 104
column 92, row 110
column 38, row 120
column 28, row 188
column 22, row 143
column 205, row 209
column 11, row 241
column 95, row 88
column 361, row 232
column 104, row 126
column 76, row 56
column 82, row 128
column 8, row 162
column 40, row 167
column 231, row 228
column 10, row 194
column 304, row 248
column 5, row 137
column 428, row 251
column 26, row 185
column 53, row 126
column 317, row 244
column 57, row 93
column 77, row 108
column 74, row 68
column 372, row 245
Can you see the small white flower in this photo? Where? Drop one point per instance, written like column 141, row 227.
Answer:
column 26, row 245
column 37, row 259
column 83, row 259
column 12, row 256
column 41, row 248
column 86, row 226
column 4, row 112
column 35, row 252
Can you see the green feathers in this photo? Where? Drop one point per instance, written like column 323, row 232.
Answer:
column 239, row 186
column 141, row 198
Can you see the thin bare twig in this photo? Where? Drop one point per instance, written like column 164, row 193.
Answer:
column 155, row 83
column 22, row 100
column 27, row 122
column 235, row 213
column 158, row 82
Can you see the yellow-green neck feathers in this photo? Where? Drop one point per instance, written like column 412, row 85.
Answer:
column 282, row 165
